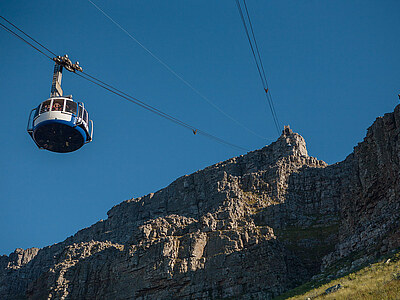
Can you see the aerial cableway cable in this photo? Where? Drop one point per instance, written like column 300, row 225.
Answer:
column 261, row 63
column 21, row 38
column 195, row 130
column 257, row 58
column 121, row 94
column 20, row 30
column 188, row 84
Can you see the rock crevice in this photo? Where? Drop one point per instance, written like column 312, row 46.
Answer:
column 250, row 227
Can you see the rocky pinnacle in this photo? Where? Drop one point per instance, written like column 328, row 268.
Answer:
column 251, row 227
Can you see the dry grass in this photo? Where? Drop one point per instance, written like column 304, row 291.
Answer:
column 377, row 281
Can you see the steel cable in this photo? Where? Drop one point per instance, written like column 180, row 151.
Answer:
column 177, row 75
column 124, row 95
column 258, row 61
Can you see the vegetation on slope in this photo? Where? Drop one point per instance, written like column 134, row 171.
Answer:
column 380, row 280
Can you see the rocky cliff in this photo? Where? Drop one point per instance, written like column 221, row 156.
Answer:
column 250, row 227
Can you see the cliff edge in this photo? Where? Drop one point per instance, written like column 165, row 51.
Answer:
column 250, row 227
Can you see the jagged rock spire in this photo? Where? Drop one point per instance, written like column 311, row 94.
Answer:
column 290, row 143
column 266, row 221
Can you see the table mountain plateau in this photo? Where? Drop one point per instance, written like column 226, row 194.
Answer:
column 251, row 227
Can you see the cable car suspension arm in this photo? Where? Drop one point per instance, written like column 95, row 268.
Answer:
column 60, row 63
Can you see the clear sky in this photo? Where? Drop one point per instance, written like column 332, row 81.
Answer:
column 332, row 66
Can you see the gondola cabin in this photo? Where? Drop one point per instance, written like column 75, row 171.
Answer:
column 60, row 125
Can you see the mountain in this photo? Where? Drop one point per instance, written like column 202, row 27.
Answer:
column 251, row 227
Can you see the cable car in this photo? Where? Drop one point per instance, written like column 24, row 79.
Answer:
column 59, row 124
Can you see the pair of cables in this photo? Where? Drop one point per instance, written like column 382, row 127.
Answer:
column 37, row 45
column 248, row 27
column 179, row 77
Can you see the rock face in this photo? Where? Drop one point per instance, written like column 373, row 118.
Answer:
column 251, row 227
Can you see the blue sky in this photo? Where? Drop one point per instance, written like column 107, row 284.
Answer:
column 332, row 67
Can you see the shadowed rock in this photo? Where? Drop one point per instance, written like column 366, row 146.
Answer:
column 253, row 226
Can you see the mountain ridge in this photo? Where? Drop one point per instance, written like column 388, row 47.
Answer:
column 274, row 215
